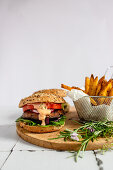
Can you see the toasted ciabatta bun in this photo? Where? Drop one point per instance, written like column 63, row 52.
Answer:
column 57, row 92
column 41, row 97
column 39, row 129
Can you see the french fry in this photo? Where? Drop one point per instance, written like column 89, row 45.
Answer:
column 101, row 100
column 92, row 77
column 98, row 89
column 106, row 88
column 93, row 86
column 101, row 79
column 104, row 83
column 109, row 85
column 87, row 83
column 93, row 101
column 99, row 86
column 104, row 92
column 108, row 100
column 77, row 88
column 66, row 87
column 111, row 92
column 70, row 88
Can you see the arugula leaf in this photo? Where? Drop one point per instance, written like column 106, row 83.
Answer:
column 64, row 106
column 60, row 122
column 29, row 122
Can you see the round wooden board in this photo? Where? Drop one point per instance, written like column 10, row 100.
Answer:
column 59, row 144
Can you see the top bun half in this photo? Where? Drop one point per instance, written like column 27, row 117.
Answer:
column 57, row 92
column 41, row 98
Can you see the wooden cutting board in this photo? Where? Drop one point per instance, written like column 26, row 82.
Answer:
column 59, row 144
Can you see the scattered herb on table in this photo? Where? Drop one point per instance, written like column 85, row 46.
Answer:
column 106, row 147
column 87, row 132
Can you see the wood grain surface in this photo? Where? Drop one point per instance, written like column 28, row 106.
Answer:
column 59, row 144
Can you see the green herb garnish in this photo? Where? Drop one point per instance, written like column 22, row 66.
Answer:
column 89, row 131
column 59, row 122
column 64, row 106
column 106, row 147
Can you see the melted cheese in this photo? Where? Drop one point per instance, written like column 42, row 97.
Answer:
column 43, row 111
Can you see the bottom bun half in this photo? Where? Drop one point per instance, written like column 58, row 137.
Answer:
column 40, row 129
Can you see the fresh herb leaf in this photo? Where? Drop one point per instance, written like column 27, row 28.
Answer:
column 64, row 106
column 60, row 122
column 29, row 122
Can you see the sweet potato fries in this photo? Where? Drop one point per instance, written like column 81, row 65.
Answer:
column 95, row 87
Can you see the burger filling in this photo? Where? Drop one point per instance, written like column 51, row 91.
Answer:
column 43, row 113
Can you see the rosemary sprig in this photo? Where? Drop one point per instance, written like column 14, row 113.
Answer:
column 106, row 147
column 87, row 132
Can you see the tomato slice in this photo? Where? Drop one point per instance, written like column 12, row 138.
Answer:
column 53, row 105
column 28, row 107
column 49, row 106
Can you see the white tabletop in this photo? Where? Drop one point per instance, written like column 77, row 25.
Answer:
column 17, row 154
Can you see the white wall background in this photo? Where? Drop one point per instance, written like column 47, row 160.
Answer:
column 44, row 43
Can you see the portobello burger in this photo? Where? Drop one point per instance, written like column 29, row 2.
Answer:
column 42, row 112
